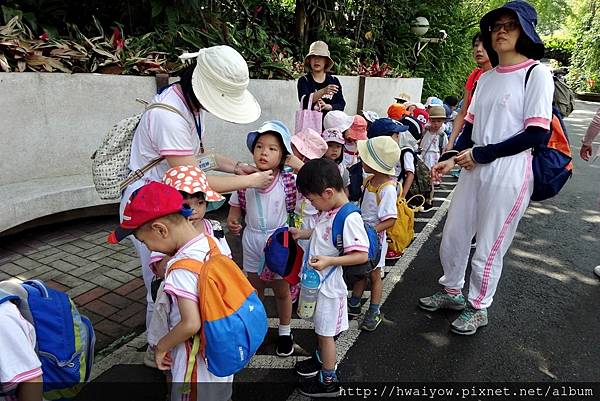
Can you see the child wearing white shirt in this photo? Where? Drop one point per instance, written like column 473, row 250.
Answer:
column 319, row 180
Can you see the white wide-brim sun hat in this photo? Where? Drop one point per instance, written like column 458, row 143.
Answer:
column 220, row 83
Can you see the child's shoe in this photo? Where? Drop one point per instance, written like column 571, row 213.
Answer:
column 285, row 346
column 309, row 367
column 372, row 320
column 393, row 255
column 469, row 321
column 319, row 388
column 353, row 310
column 597, row 270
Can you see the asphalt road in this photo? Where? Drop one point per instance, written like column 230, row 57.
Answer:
column 544, row 323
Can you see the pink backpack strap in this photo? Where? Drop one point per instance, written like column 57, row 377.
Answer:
column 242, row 198
column 291, row 192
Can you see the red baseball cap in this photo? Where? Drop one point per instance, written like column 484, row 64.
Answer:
column 148, row 203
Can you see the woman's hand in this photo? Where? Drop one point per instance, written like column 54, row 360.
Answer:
column 322, row 106
column 261, row 179
column 441, row 168
column 585, row 152
column 329, row 90
column 245, row 169
column 465, row 159
column 320, row 262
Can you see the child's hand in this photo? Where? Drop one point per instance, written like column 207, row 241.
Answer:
column 320, row 262
column 295, row 232
column 162, row 359
column 294, row 162
column 234, row 226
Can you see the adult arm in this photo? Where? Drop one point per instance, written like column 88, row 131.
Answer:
column 222, row 183
column 531, row 137
column 592, row 132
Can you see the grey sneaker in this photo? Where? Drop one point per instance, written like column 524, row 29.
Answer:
column 443, row 300
column 469, row 321
column 372, row 320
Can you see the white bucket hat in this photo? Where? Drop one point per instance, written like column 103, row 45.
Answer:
column 220, row 81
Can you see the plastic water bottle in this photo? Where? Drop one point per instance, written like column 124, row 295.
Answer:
column 309, row 291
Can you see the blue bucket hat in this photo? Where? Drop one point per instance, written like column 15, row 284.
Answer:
column 527, row 17
column 271, row 126
column 385, row 127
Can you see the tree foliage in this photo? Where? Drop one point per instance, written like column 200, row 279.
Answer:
column 365, row 36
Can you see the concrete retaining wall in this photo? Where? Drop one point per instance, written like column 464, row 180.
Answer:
column 52, row 123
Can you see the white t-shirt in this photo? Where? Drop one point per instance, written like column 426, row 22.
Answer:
column 345, row 174
column 409, row 164
column 18, row 359
column 321, row 244
column 374, row 212
column 502, row 107
column 164, row 133
column 350, row 155
column 184, row 284
column 272, row 203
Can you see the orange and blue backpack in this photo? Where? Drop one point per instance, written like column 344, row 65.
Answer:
column 552, row 161
column 234, row 321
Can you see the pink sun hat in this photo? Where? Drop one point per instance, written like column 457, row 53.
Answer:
column 309, row 143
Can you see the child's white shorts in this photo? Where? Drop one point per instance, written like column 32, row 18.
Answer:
column 331, row 316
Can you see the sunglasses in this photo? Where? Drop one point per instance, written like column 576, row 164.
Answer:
column 508, row 26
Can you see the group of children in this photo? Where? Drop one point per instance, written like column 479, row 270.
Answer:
column 311, row 185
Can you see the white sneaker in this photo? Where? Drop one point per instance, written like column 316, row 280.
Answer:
column 149, row 358
column 597, row 270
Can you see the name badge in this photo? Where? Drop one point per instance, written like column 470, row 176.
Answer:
column 207, row 162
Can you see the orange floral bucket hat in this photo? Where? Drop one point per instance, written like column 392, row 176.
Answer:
column 191, row 180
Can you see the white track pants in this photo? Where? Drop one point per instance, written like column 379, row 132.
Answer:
column 488, row 201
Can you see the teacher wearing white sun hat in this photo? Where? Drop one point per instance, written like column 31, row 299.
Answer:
column 216, row 83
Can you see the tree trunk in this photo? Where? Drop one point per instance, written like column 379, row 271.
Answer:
column 300, row 21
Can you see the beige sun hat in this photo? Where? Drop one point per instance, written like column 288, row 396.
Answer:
column 319, row 48
column 380, row 153
column 220, row 82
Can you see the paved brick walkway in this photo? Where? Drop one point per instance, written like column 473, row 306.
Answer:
column 104, row 280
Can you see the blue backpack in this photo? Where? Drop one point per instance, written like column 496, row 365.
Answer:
column 337, row 236
column 234, row 320
column 553, row 160
column 64, row 338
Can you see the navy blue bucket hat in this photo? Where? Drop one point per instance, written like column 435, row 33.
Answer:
column 385, row 127
column 527, row 17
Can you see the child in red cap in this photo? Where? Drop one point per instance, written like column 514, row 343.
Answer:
column 157, row 216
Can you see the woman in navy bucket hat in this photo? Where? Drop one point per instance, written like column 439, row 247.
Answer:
column 529, row 43
column 509, row 115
